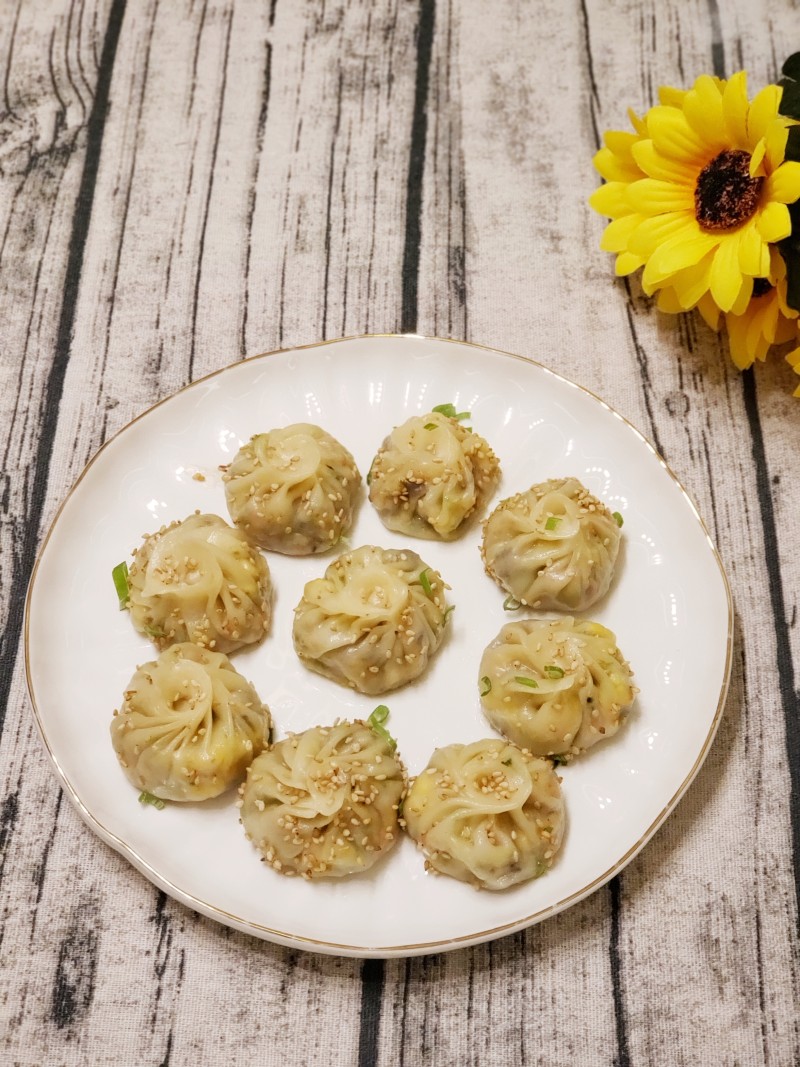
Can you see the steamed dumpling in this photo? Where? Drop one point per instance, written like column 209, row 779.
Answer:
column 555, row 687
column 199, row 580
column 487, row 813
column 430, row 475
column 293, row 490
column 552, row 547
column 324, row 803
column 374, row 620
column 189, row 726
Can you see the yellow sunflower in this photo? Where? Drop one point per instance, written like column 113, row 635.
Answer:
column 699, row 191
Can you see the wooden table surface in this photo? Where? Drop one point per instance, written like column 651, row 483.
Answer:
column 186, row 183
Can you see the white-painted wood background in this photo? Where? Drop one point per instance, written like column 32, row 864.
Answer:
column 185, row 183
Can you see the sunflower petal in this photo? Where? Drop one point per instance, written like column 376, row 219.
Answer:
column 743, row 299
column 657, row 229
column 652, row 197
column 783, row 184
column 774, row 222
column 785, row 330
column 763, row 111
column 611, row 200
column 667, row 300
column 726, row 278
column 793, row 359
column 676, row 255
column 753, row 251
column 691, row 284
column 674, row 138
column 616, row 234
column 670, row 97
column 703, row 109
column 614, row 169
column 775, row 138
column 709, row 311
column 627, row 263
column 735, row 108
column 757, row 169
column 655, row 165
column 736, row 327
column 638, row 124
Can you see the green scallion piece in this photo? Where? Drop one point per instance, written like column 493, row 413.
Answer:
column 511, row 603
column 486, row 685
column 120, row 576
column 430, row 425
column 552, row 522
column 560, row 761
column 369, row 472
column 148, row 798
column 375, row 722
column 506, row 762
column 552, row 671
column 154, row 631
column 530, row 682
column 449, row 612
column 449, row 411
column 424, row 581
column 618, row 519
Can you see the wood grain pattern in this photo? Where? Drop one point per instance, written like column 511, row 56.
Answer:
column 183, row 184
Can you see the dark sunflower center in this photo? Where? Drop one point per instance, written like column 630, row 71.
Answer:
column 761, row 286
column 725, row 195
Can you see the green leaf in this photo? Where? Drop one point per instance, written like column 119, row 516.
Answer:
column 486, row 685
column 618, row 519
column 790, row 100
column 511, row 603
column 793, row 144
column 552, row 522
column 430, row 425
column 120, row 577
column 148, row 798
column 789, row 248
column 791, row 67
column 375, row 722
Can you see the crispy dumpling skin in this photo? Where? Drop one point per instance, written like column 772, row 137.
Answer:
column 373, row 621
column 430, row 476
column 553, row 547
column 200, row 580
column 487, row 813
column 293, row 490
column 189, row 726
column 555, row 687
column 324, row 803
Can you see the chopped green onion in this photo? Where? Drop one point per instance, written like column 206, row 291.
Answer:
column 449, row 612
column 430, row 425
column 552, row 671
column 552, row 522
column 541, row 868
column 375, row 721
column 154, row 631
column 486, row 685
column 424, row 581
column 120, row 576
column 511, row 603
column 449, row 411
column 530, row 682
column 560, row 761
column 148, row 798
column 618, row 519
column 506, row 762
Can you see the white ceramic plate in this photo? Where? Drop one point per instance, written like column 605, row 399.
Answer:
column 669, row 606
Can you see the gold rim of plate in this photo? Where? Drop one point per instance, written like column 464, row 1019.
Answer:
column 361, row 951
